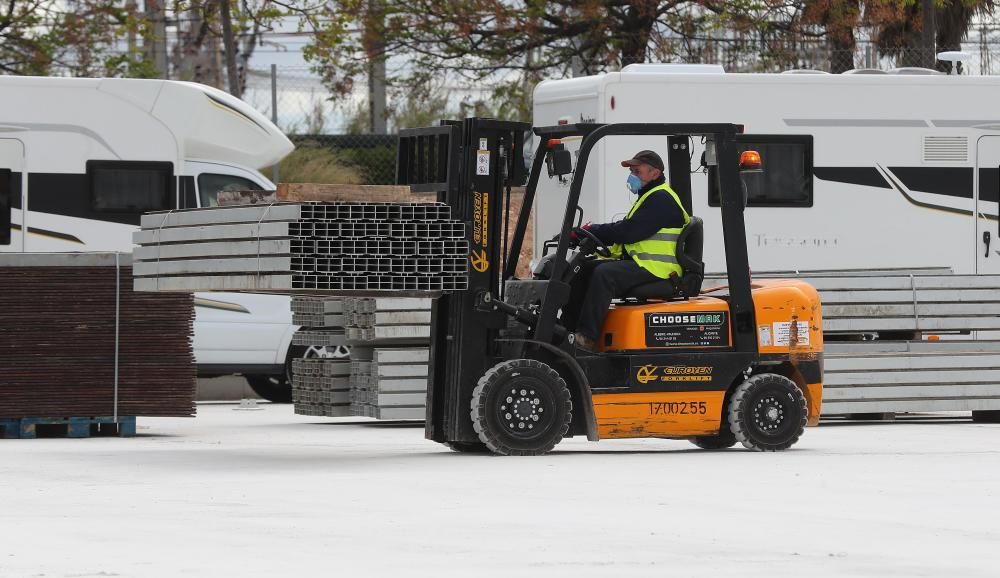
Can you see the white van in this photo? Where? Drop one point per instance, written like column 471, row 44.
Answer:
column 906, row 165
column 81, row 159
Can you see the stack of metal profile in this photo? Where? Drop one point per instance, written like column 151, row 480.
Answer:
column 76, row 341
column 386, row 374
column 343, row 248
column 389, row 383
column 321, row 386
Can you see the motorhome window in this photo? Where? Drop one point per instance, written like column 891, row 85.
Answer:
column 132, row 187
column 210, row 185
column 787, row 177
column 5, row 188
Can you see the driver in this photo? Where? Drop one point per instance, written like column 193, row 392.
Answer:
column 648, row 236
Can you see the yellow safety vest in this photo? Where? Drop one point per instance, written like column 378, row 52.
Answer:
column 658, row 253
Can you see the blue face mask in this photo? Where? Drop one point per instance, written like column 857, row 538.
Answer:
column 634, row 184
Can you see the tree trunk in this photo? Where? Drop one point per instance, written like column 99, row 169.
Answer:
column 637, row 26
column 375, row 51
column 842, row 54
column 229, row 45
column 928, row 34
column 154, row 46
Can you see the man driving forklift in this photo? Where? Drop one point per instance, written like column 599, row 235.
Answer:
column 643, row 249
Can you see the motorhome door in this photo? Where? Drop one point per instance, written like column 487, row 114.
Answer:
column 987, row 200
column 12, row 226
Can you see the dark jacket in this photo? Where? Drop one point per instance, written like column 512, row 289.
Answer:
column 659, row 211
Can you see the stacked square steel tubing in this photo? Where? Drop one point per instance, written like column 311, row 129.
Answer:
column 386, row 373
column 344, row 248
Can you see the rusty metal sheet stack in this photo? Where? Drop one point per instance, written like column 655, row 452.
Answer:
column 77, row 341
column 385, row 376
column 342, row 248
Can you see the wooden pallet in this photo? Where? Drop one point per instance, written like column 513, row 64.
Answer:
column 71, row 427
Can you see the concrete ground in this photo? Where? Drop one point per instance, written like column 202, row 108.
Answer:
column 267, row 493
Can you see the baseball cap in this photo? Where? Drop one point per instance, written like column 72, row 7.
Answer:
column 648, row 157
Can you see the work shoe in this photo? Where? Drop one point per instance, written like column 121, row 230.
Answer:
column 581, row 341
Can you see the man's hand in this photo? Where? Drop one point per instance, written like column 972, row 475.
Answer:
column 574, row 237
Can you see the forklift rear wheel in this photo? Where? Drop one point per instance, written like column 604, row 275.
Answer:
column 521, row 407
column 767, row 413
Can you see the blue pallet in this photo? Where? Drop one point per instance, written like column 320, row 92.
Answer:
column 76, row 427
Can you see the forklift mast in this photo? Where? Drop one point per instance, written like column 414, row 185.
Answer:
column 471, row 165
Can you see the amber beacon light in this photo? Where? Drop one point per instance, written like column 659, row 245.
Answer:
column 750, row 161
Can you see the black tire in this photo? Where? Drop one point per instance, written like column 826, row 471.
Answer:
column 767, row 413
column 273, row 388
column 468, row 447
column 521, row 407
column 278, row 388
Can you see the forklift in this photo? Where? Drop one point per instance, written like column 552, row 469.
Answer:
column 738, row 363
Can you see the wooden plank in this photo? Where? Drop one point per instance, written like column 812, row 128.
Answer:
column 325, row 193
column 333, row 192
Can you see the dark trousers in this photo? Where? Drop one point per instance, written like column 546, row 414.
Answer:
column 593, row 288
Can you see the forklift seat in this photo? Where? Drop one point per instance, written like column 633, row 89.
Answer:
column 690, row 246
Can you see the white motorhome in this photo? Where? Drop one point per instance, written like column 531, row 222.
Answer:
column 906, row 166
column 81, row 159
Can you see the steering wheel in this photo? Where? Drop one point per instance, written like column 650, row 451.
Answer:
column 600, row 248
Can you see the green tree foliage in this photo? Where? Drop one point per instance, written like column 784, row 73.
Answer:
column 40, row 37
column 506, row 44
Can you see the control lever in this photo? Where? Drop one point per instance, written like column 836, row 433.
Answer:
column 986, row 239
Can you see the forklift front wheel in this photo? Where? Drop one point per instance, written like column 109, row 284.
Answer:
column 767, row 412
column 521, row 407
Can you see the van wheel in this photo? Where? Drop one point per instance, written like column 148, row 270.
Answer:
column 273, row 388
column 767, row 413
column 521, row 407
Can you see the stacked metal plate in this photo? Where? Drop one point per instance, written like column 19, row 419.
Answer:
column 386, row 375
column 340, row 248
column 76, row 341
column 879, row 377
